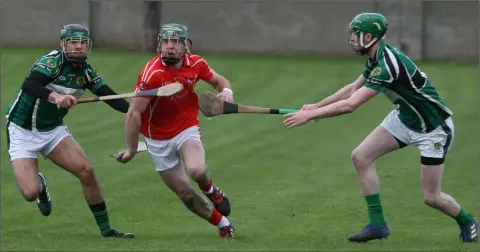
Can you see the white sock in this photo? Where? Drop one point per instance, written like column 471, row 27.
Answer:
column 210, row 191
column 223, row 222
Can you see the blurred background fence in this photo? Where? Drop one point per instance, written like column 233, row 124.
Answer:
column 433, row 30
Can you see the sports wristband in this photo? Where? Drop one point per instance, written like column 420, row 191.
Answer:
column 228, row 90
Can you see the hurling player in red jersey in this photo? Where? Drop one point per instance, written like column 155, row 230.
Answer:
column 170, row 125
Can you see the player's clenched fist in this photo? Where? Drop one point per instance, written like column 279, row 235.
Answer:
column 226, row 95
column 63, row 101
column 125, row 156
column 66, row 101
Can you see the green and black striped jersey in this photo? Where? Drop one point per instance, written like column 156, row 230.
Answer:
column 396, row 75
column 38, row 114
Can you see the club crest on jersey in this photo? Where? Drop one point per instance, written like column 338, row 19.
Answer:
column 376, row 72
column 51, row 63
column 81, row 81
column 190, row 81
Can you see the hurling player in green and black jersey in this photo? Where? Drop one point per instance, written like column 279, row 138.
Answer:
column 422, row 119
column 35, row 123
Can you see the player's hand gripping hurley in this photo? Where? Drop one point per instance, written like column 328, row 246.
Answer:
column 142, row 147
column 167, row 90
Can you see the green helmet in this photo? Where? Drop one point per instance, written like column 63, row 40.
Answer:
column 373, row 23
column 177, row 32
column 78, row 34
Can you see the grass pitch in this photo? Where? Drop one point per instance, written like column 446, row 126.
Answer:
column 291, row 190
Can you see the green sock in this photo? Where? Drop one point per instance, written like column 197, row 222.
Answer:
column 375, row 211
column 463, row 218
column 101, row 216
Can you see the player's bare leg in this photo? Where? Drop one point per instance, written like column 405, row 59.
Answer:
column 70, row 156
column 193, row 156
column 177, row 180
column 375, row 145
column 32, row 185
column 431, row 179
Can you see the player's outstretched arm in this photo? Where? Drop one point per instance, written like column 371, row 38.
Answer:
column 120, row 105
column 341, row 107
column 343, row 93
column 132, row 126
column 345, row 106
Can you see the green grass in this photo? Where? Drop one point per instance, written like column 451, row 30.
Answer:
column 291, row 190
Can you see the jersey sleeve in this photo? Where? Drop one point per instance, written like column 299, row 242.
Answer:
column 47, row 65
column 379, row 78
column 206, row 73
column 94, row 80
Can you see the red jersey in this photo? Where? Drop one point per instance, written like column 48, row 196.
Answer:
column 166, row 117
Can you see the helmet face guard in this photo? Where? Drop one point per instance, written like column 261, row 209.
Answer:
column 173, row 43
column 75, row 42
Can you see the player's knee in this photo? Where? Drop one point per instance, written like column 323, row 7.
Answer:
column 430, row 198
column 85, row 173
column 196, row 171
column 30, row 193
column 186, row 195
column 359, row 159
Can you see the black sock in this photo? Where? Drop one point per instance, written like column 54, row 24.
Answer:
column 101, row 216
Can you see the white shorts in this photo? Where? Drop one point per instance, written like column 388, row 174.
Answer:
column 25, row 143
column 165, row 153
column 434, row 144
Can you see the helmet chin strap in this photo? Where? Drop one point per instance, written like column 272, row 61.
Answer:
column 366, row 47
